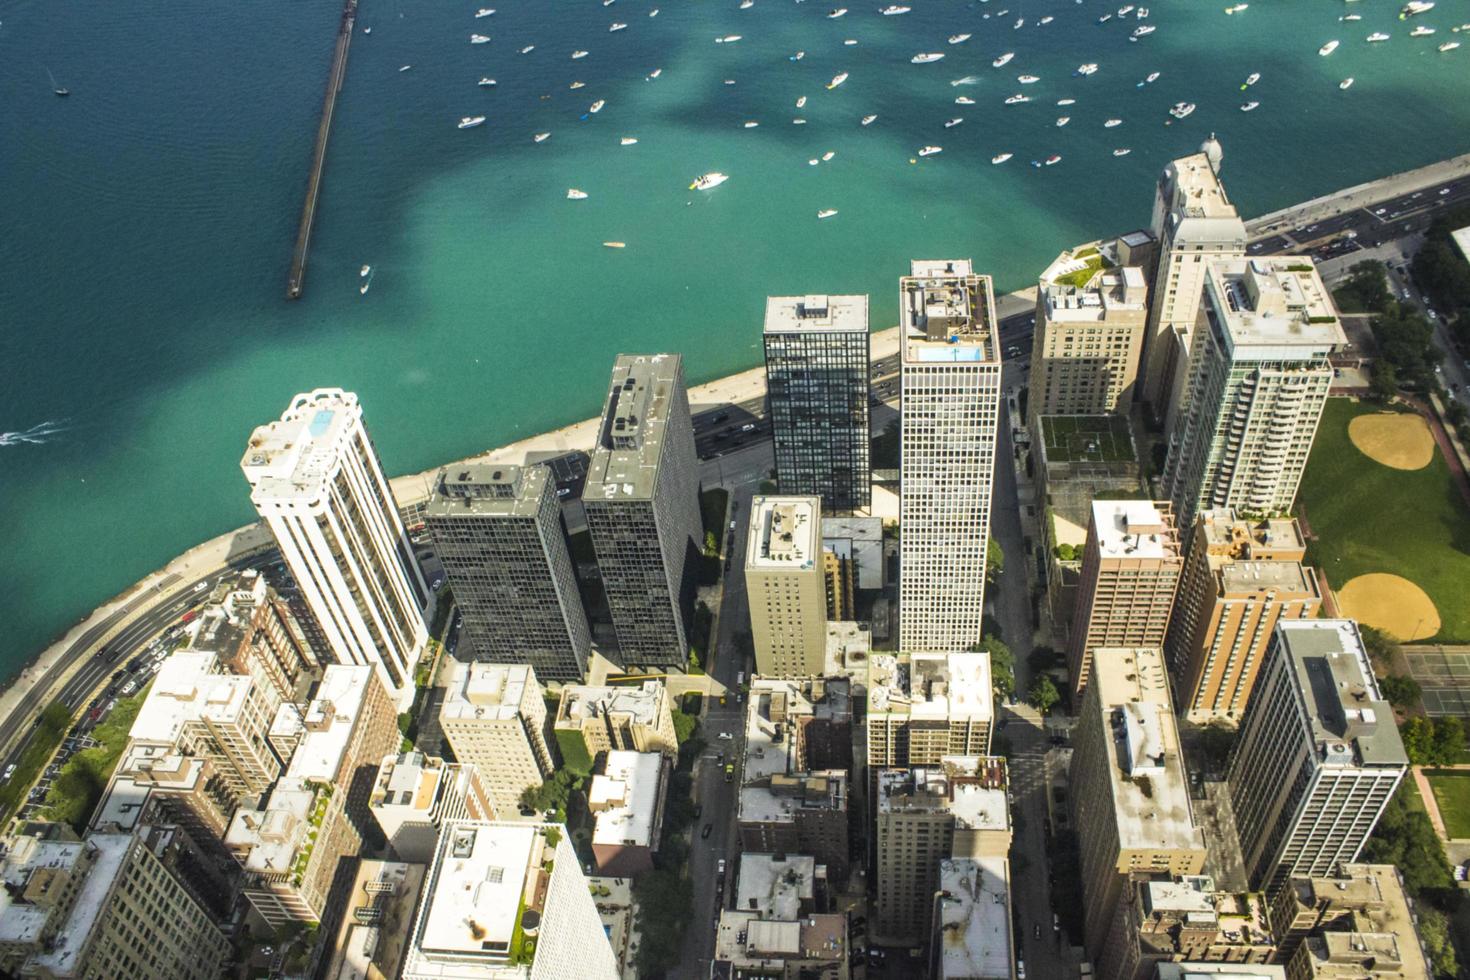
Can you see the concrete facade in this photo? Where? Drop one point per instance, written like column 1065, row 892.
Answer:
column 494, row 717
column 786, row 586
column 1088, row 340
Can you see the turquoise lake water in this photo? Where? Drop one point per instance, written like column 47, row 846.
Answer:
column 146, row 222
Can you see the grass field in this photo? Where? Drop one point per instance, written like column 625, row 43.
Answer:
column 1370, row 518
column 1096, row 438
column 1452, row 795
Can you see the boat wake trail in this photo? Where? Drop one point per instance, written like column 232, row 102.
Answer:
column 36, row 435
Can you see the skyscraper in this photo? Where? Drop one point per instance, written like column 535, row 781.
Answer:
column 1194, row 222
column 498, row 531
column 786, row 586
column 817, row 350
column 316, row 481
column 1258, row 379
column 951, row 401
column 1318, row 754
column 1130, row 794
column 1130, row 571
column 642, row 503
column 1084, row 360
column 1239, row 579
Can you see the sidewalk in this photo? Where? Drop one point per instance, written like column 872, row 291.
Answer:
column 1357, row 196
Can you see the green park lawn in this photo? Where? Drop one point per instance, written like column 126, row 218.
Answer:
column 1452, row 795
column 1368, row 517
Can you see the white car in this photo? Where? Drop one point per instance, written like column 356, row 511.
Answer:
column 200, row 586
column 726, row 736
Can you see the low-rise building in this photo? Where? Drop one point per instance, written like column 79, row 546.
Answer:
column 414, row 795
column 972, row 920
column 852, row 560
column 924, row 706
column 1316, row 919
column 507, row 901
column 594, row 719
column 1208, row 971
column 778, row 928
column 494, row 716
column 1186, row 918
column 627, row 802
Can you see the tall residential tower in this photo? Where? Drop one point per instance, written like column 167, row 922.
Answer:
column 786, row 586
column 1084, row 360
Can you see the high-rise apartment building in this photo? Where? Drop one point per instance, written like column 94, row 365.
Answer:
column 1318, row 754
column 494, row 717
column 925, row 817
column 925, row 706
column 817, row 351
column 253, row 631
column 642, row 503
column 105, row 906
column 414, row 795
column 1084, row 360
column 1130, row 793
column 785, row 584
column 498, row 531
column 1240, row 578
column 590, row 720
column 1258, row 377
column 1130, row 573
column 1194, row 222
column 852, row 560
column 317, row 483
column 950, row 362
column 1345, row 925
column 508, row 901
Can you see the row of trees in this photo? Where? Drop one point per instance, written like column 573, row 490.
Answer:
column 1444, row 275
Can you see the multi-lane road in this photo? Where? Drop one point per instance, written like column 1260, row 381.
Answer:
column 1366, row 227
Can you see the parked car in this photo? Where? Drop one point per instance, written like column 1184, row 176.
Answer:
column 703, row 834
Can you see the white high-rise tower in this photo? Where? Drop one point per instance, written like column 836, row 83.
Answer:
column 317, row 483
column 951, row 404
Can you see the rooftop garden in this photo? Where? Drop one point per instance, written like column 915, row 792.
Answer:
column 1087, row 438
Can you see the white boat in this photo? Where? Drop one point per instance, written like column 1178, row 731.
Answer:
column 1345, row 84
column 1328, row 48
column 1143, row 31
column 751, row 124
column 367, row 30
column 486, row 82
column 1003, row 60
column 836, row 13
column 1351, row 17
column 1000, row 158
column 952, row 123
column 627, row 140
column 1376, row 37
column 528, row 49
column 1181, row 109
column 1153, row 76
column 1046, row 20
column 1063, row 120
column 578, row 54
column 362, row 290
column 1018, row 98
column 796, row 57
column 710, row 180
column 868, row 120
column 1125, row 10
column 893, row 9
column 1066, row 101
column 1122, row 151
column 541, row 137
column 653, row 12
column 655, row 73
column 576, row 85
column 1112, row 122
column 924, row 58
column 1414, row 7
column 827, row 157
column 1421, row 31
column 1142, row 13
column 964, row 100
column 798, row 122
column 837, row 80
column 1028, row 79
column 800, row 101
column 575, row 195
column 597, row 106
column 1020, row 23
column 479, row 39
column 1105, row 18
column 1053, row 159
column 1237, row 8
column 1250, row 80
column 1248, row 106
column 614, row 244
column 405, row 68
column 1084, row 70
column 470, row 122
column 850, row 41
column 813, row 162
column 826, row 212
column 484, row 11
column 728, row 39
column 746, row 4
column 958, row 38
column 967, row 80
column 929, row 151
column 615, row 27
column 1449, row 46
column 365, row 270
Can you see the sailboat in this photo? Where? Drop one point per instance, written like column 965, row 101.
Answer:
column 60, row 90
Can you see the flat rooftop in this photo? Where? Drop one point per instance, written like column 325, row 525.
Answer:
column 1197, row 188
column 29, row 869
column 1109, row 294
column 486, row 692
column 1134, row 529
column 409, row 781
column 580, row 702
column 1240, row 538
column 744, row 939
column 1275, row 303
column 1257, row 576
column 1352, row 725
column 487, row 490
column 186, row 690
column 273, row 835
column 975, row 919
column 632, row 434
column 947, row 314
column 773, row 787
column 475, row 888
column 932, row 686
column 818, row 312
column 785, row 533
column 777, row 888
column 1208, row 971
column 61, row 959
column 625, row 798
column 292, row 458
column 1150, row 789
column 330, row 719
column 971, row 788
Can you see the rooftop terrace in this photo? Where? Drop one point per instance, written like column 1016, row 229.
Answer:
column 947, row 314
